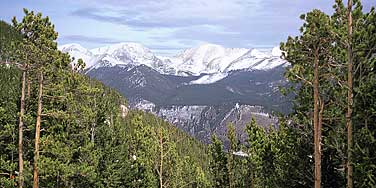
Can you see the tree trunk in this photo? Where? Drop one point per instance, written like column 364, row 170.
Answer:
column 316, row 122
column 349, row 99
column 252, row 179
column 94, row 124
column 161, row 159
column 20, row 132
column 37, row 132
column 321, row 103
column 92, row 133
column 230, row 169
column 28, row 88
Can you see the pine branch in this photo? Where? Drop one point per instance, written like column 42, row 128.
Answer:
column 303, row 79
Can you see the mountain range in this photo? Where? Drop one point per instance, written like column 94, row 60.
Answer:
column 200, row 89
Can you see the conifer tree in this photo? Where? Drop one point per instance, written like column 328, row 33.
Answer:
column 218, row 163
column 20, row 131
column 39, row 36
column 231, row 163
column 9, row 100
column 310, row 50
column 364, row 40
column 349, row 97
column 256, row 141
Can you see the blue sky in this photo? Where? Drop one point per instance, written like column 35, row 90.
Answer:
column 168, row 26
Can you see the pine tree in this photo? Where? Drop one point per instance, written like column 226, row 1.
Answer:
column 218, row 163
column 313, row 46
column 11, row 38
column 256, row 142
column 363, row 116
column 349, row 98
column 343, row 48
column 20, row 131
column 9, row 100
column 231, row 163
column 143, row 152
column 39, row 34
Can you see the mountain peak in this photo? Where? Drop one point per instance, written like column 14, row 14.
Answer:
column 276, row 52
column 206, row 58
column 258, row 54
column 123, row 46
column 72, row 47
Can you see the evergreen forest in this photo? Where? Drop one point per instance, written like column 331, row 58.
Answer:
column 60, row 128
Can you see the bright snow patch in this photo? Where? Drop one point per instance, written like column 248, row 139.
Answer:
column 258, row 54
column 145, row 105
column 209, row 79
column 269, row 64
column 240, row 153
column 276, row 52
column 78, row 52
column 214, row 60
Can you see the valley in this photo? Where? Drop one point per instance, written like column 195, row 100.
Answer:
column 200, row 90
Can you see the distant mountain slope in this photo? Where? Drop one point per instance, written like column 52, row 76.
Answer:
column 245, row 87
column 204, row 59
column 199, row 90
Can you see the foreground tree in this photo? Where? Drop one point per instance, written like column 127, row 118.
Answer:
column 20, row 132
column 256, row 141
column 345, row 71
column 349, row 96
column 10, row 39
column 231, row 161
column 9, row 107
column 218, row 163
column 39, row 37
column 308, row 54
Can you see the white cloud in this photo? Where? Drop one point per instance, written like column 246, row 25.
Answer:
column 175, row 23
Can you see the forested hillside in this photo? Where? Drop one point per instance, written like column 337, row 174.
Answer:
column 329, row 140
column 87, row 137
column 59, row 128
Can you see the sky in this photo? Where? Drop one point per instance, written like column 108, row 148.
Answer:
column 169, row 26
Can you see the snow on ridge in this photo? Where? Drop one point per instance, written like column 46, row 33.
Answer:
column 269, row 64
column 209, row 79
column 207, row 58
column 127, row 46
column 258, row 54
column 211, row 59
column 276, row 52
column 78, row 52
column 181, row 112
column 144, row 105
column 72, row 47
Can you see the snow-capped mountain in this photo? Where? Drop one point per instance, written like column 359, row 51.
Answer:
column 256, row 60
column 213, row 60
column 199, row 90
column 78, row 52
column 206, row 59
column 130, row 54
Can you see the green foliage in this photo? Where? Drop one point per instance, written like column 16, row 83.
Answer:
column 85, row 140
column 218, row 163
column 364, row 98
column 8, row 118
column 9, row 37
column 283, row 157
column 333, row 90
column 256, row 142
